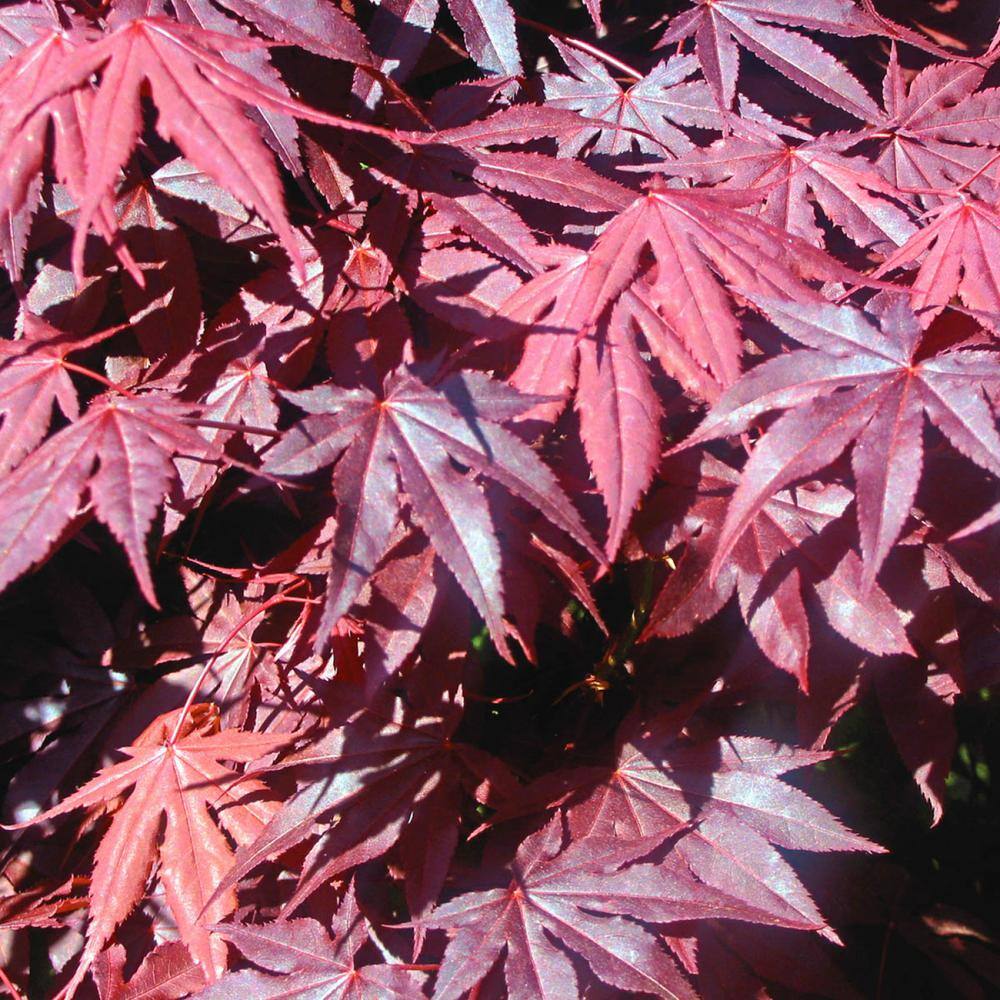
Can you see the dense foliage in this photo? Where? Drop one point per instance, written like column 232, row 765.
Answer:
column 499, row 499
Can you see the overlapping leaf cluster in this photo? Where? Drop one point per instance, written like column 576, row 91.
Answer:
column 391, row 393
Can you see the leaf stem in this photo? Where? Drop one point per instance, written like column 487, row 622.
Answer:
column 224, row 425
column 97, row 377
column 245, row 620
column 591, row 50
column 9, row 986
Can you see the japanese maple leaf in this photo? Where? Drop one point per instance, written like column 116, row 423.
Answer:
column 859, row 383
column 953, row 251
column 684, row 315
column 381, row 777
column 167, row 973
column 20, row 25
column 937, row 131
column 574, row 896
column 729, row 793
column 322, row 968
column 121, row 453
column 257, row 341
column 777, row 565
column 175, row 781
column 244, row 394
column 653, row 107
column 26, row 108
column 696, row 236
column 721, row 28
column 31, row 381
column 788, row 170
column 488, row 29
column 39, row 907
column 199, row 99
column 408, row 438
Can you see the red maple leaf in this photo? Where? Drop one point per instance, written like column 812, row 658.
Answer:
column 318, row 964
column 722, row 799
column 379, row 779
column 573, row 895
column 184, row 69
column 722, row 27
column 413, row 432
column 121, row 453
column 856, row 384
column 176, row 775
column 778, row 564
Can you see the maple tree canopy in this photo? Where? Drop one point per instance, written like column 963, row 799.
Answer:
column 499, row 499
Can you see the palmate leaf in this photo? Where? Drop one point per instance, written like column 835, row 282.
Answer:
column 305, row 962
column 121, row 452
column 862, row 384
column 406, row 441
column 721, row 28
column 187, row 75
column 782, row 562
column 383, row 774
column 175, row 782
column 936, row 130
column 954, row 251
column 654, row 107
column 573, row 896
column 696, row 236
column 724, row 801
column 788, row 170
